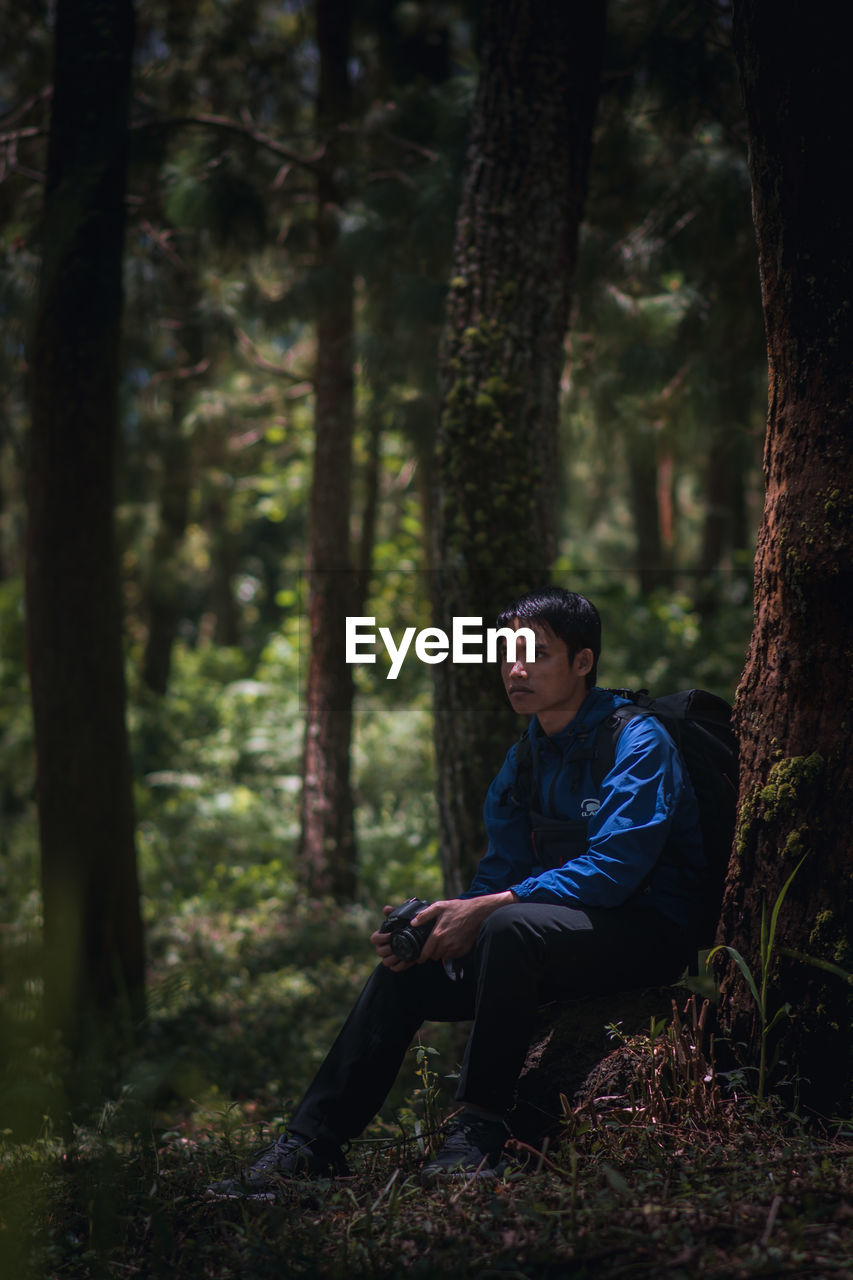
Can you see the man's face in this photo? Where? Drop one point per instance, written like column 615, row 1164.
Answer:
column 554, row 686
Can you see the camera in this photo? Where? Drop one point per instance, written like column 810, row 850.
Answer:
column 407, row 940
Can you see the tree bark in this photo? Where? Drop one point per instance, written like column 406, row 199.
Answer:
column 92, row 928
column 796, row 696
column 501, row 361
column 327, row 855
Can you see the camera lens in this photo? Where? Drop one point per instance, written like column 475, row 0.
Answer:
column 405, row 945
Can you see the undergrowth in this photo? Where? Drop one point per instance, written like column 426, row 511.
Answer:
column 754, row 1196
column 655, row 1173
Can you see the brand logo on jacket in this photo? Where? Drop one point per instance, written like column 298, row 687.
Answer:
column 589, row 807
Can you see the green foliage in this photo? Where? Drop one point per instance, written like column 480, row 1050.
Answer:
column 752, row 1199
column 662, row 642
column 759, row 990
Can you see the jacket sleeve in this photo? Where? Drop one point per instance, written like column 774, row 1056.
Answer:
column 509, row 855
column 627, row 834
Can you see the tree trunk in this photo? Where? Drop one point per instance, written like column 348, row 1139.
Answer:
column 371, row 473
column 720, row 489
column 502, row 357
column 92, row 929
column 164, row 578
column 222, row 541
column 796, row 696
column 723, row 493
column 327, row 853
column 3, row 515
column 644, row 488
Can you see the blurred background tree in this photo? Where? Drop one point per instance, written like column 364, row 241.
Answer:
column 500, row 366
column 93, row 944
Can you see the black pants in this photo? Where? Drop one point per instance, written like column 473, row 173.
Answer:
column 525, row 954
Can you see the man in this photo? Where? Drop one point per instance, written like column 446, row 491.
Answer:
column 582, row 889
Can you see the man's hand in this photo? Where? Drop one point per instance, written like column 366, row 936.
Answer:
column 382, row 943
column 457, row 923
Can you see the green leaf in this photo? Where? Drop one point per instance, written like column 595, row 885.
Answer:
column 616, row 1181
column 780, row 899
column 742, row 965
column 818, row 963
column 777, row 1018
column 763, row 944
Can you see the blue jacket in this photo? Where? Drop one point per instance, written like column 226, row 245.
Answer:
column 643, row 837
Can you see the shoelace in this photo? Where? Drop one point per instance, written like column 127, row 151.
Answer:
column 271, row 1155
column 479, row 1133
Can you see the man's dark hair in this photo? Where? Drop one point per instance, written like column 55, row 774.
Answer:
column 571, row 617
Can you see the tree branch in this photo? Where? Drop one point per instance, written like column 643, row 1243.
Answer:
column 15, row 113
column 249, row 349
column 244, row 130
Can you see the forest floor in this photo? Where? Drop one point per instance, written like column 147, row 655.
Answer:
column 760, row 1195
column 684, row 1179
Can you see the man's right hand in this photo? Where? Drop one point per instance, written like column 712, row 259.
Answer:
column 382, row 943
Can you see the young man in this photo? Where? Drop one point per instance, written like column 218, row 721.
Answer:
column 579, row 887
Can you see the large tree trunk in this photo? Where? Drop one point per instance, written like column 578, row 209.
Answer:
column 327, row 847
column 796, row 697
column 502, row 357
column 92, row 930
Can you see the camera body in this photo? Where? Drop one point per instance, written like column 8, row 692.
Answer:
column 406, row 939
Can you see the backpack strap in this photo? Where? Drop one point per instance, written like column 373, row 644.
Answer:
column 521, row 790
column 602, row 753
column 607, row 736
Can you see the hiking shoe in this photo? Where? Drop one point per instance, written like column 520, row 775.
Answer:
column 290, row 1156
column 472, row 1150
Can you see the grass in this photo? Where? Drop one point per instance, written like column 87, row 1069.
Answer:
column 769, row 1199
column 677, row 1181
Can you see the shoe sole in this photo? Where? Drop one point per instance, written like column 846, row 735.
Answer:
column 295, row 1179
column 269, row 1197
column 436, row 1176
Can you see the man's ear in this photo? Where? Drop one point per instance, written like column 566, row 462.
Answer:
column 583, row 662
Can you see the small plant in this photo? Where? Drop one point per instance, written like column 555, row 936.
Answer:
column 760, row 993
column 426, row 1129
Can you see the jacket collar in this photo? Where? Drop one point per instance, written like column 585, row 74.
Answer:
column 596, row 706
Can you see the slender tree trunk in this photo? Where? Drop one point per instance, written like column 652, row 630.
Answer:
column 727, row 462
column 503, row 353
column 644, row 481
column 796, row 698
column 3, row 515
column 327, row 846
column 371, row 473
column 164, row 579
column 92, row 930
column 723, row 491
column 224, row 564
column 720, row 477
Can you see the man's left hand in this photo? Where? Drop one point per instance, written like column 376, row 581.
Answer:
column 457, row 923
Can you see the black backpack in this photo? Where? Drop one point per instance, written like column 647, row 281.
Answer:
column 699, row 724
